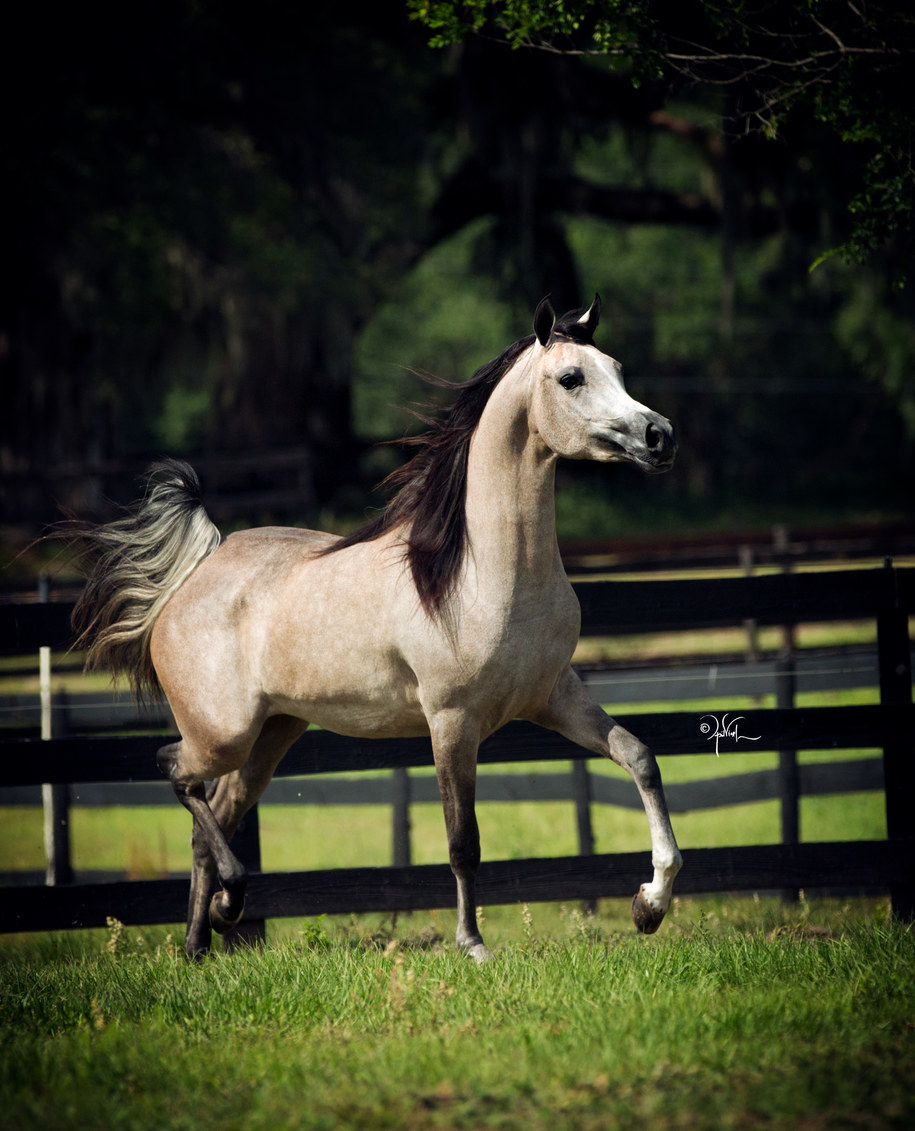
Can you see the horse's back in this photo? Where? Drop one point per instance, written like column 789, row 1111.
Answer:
column 264, row 541
column 269, row 623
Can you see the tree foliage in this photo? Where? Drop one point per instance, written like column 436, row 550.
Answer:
column 200, row 217
column 850, row 66
column 229, row 231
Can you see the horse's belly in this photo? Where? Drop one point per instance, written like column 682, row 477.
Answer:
column 362, row 692
column 357, row 716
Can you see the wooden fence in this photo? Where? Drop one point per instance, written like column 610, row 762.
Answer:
column 882, row 595
column 817, row 670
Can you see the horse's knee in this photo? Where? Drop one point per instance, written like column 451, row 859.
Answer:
column 464, row 851
column 633, row 755
column 647, row 773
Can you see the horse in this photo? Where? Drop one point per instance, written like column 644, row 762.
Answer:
column 446, row 615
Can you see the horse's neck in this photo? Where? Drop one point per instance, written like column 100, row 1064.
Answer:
column 511, row 517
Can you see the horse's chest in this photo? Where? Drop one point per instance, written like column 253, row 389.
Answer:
column 524, row 653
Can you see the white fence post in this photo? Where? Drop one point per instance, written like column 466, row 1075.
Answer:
column 55, row 796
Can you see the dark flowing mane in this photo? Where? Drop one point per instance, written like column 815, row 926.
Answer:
column 431, row 486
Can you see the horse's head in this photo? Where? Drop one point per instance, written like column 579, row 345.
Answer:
column 579, row 404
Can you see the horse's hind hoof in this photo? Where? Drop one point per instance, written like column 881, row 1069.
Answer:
column 220, row 921
column 646, row 918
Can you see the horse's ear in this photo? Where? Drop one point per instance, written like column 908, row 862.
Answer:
column 591, row 317
column 544, row 320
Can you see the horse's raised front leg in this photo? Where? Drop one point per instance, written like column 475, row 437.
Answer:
column 455, row 740
column 572, row 713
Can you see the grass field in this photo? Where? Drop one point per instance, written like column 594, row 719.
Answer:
column 738, row 1014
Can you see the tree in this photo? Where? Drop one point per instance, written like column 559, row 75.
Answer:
column 203, row 218
column 200, row 217
column 849, row 66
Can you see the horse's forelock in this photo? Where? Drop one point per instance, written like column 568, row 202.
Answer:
column 570, row 327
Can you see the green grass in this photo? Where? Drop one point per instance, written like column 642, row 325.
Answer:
column 738, row 1014
column 719, row 641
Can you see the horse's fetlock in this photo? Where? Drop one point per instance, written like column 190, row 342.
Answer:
column 236, row 877
column 479, row 952
column 670, row 866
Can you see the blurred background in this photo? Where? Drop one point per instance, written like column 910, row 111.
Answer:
column 238, row 233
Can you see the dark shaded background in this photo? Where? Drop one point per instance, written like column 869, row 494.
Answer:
column 228, row 230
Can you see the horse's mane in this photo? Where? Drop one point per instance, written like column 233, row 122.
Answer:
column 431, row 486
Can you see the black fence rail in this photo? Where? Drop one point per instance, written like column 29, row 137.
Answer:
column 746, row 550
column 815, row 670
column 883, row 595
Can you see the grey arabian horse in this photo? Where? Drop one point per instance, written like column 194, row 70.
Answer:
column 447, row 615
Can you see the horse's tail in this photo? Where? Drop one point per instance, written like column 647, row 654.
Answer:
column 140, row 560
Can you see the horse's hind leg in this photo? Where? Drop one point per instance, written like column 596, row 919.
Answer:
column 209, row 844
column 199, row 934
column 216, row 819
column 238, row 791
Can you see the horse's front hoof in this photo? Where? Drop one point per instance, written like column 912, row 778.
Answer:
column 480, row 953
column 220, row 919
column 475, row 948
column 646, row 918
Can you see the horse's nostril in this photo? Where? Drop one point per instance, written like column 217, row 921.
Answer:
column 653, row 436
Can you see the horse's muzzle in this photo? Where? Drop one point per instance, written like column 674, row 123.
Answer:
column 660, row 444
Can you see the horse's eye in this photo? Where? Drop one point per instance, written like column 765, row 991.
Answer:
column 572, row 380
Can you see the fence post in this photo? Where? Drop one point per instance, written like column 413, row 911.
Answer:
column 894, row 652
column 246, row 844
column 581, row 788
column 745, row 557
column 55, row 797
column 785, row 688
column 788, row 775
column 785, row 683
column 400, row 817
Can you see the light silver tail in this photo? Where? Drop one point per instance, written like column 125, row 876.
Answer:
column 140, row 560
